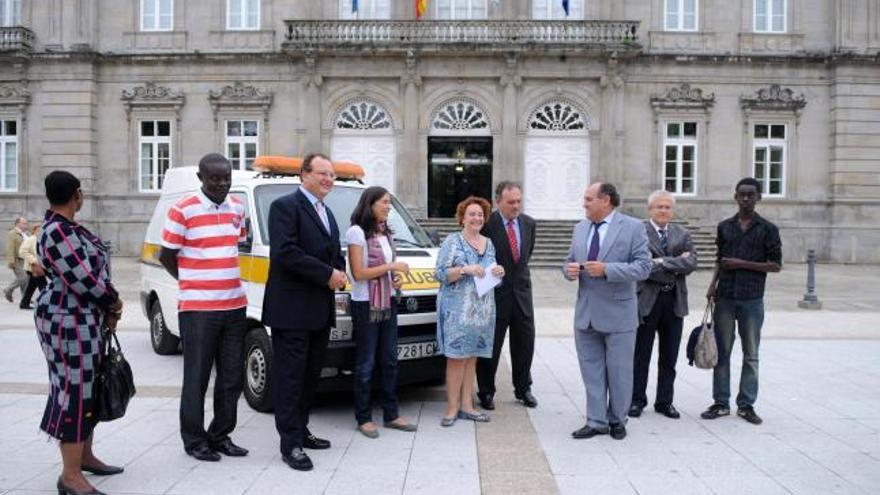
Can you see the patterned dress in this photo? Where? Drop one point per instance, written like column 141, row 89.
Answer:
column 465, row 321
column 68, row 317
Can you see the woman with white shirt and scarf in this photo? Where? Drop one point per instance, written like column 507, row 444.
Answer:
column 373, row 268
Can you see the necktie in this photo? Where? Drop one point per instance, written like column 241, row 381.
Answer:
column 664, row 243
column 322, row 214
column 593, row 254
column 511, row 238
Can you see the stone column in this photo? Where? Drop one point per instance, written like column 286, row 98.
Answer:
column 509, row 165
column 611, row 166
column 312, row 116
column 412, row 165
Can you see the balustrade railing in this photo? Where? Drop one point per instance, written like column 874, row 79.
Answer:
column 16, row 38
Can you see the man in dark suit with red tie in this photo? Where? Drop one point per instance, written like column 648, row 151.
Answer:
column 513, row 235
column 306, row 269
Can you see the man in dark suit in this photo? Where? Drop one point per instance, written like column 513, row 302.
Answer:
column 306, row 268
column 662, row 304
column 513, row 235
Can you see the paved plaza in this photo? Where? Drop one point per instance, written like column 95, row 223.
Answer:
column 819, row 397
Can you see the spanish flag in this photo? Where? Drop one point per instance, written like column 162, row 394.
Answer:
column 421, row 8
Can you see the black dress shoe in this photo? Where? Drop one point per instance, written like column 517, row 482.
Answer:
column 527, row 398
column 107, row 470
column 297, row 459
column 487, row 401
column 635, row 411
column 618, row 431
column 315, row 443
column 226, row 447
column 203, row 453
column 66, row 490
column 668, row 410
column 588, row 432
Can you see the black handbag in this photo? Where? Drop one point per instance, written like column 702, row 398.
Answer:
column 115, row 382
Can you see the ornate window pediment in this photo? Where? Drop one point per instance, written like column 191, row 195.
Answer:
column 14, row 95
column 774, row 98
column 557, row 116
column 460, row 115
column 363, row 115
column 683, row 97
column 150, row 96
column 239, row 96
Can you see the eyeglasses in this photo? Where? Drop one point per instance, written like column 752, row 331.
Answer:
column 326, row 175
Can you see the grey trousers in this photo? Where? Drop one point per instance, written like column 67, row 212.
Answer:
column 20, row 282
column 606, row 361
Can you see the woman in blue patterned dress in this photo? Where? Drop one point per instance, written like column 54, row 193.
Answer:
column 465, row 321
column 71, row 311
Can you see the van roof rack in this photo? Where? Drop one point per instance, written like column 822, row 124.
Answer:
column 291, row 166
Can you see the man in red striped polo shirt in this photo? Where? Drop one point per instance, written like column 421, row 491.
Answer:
column 200, row 249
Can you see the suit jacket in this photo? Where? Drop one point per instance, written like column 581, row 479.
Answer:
column 13, row 244
column 609, row 304
column 516, row 286
column 673, row 270
column 302, row 258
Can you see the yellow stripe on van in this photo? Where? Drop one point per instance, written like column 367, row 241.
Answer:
column 256, row 269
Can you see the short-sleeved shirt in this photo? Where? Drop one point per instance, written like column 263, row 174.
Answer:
column 759, row 243
column 360, row 290
column 207, row 236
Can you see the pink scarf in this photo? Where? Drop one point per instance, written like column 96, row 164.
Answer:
column 380, row 288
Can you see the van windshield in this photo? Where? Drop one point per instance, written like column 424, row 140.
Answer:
column 342, row 201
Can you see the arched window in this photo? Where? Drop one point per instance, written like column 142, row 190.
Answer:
column 363, row 115
column 557, row 116
column 459, row 115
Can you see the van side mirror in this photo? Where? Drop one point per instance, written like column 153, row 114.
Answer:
column 434, row 236
column 246, row 245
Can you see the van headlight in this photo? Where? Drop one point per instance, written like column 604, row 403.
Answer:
column 343, row 304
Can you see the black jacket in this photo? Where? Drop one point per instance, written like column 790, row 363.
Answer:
column 516, row 287
column 302, row 258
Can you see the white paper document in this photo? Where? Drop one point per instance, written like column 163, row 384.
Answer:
column 487, row 282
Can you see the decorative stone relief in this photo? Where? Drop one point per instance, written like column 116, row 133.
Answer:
column 238, row 95
column 14, row 94
column 152, row 96
column 683, row 97
column 774, row 98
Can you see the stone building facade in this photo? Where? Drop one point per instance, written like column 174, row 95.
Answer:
column 690, row 95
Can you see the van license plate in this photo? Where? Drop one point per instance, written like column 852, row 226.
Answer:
column 340, row 334
column 416, row 350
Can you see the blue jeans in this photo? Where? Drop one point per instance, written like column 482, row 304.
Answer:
column 372, row 339
column 748, row 316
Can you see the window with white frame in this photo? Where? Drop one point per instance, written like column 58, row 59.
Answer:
column 770, row 16
column 155, row 153
column 680, row 15
column 366, row 9
column 680, row 157
column 157, row 15
column 242, row 14
column 242, row 143
column 769, row 154
column 8, row 155
column 10, row 12
column 551, row 10
column 461, row 9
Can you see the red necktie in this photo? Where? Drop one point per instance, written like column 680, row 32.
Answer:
column 511, row 237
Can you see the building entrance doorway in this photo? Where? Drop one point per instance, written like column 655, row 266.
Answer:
column 458, row 167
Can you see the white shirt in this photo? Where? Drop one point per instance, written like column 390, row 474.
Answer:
column 360, row 290
column 658, row 228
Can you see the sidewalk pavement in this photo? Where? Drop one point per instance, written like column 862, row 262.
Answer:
column 820, row 399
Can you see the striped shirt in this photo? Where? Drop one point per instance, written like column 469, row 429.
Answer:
column 207, row 236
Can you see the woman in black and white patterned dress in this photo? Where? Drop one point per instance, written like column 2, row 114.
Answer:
column 78, row 302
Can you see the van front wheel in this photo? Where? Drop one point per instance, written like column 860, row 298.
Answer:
column 258, row 369
column 164, row 342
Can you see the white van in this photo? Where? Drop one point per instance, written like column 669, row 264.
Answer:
column 417, row 317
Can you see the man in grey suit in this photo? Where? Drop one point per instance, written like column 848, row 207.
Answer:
column 663, row 304
column 608, row 255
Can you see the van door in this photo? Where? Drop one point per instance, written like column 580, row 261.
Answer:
column 245, row 249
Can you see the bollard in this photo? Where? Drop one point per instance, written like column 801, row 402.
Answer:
column 810, row 300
